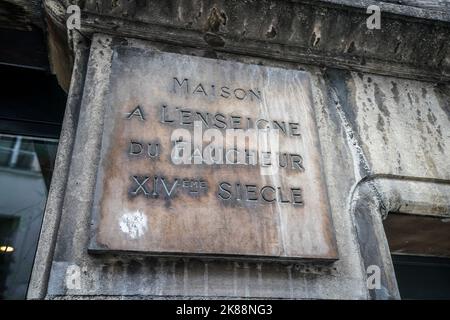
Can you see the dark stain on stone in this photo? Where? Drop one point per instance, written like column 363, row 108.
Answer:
column 399, row 161
column 341, row 92
column 214, row 40
column 134, row 267
column 272, row 33
column 394, row 90
column 424, row 93
column 380, row 123
column 419, row 120
column 120, row 42
column 431, row 117
column 210, row 54
column 340, row 82
column 215, row 19
column 379, row 100
column 141, row 4
column 397, row 46
column 351, row 48
column 369, row 79
column 363, row 61
column 410, row 99
column 118, row 267
column 439, row 131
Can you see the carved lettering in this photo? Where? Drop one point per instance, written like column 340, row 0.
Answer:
column 202, row 89
column 140, row 185
column 137, row 112
column 239, row 194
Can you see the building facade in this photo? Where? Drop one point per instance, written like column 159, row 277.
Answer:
column 358, row 206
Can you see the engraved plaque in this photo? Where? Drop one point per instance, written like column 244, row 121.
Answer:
column 205, row 157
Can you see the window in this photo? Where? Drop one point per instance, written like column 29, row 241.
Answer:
column 420, row 248
column 31, row 112
column 25, row 170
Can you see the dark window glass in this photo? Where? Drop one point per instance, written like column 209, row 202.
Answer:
column 32, row 106
column 421, row 277
column 31, row 111
column 26, row 165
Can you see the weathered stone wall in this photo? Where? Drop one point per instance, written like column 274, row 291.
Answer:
column 384, row 131
column 411, row 41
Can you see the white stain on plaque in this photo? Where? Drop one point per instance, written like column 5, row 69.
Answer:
column 133, row 223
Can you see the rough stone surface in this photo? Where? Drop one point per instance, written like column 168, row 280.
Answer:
column 115, row 275
column 411, row 43
column 50, row 225
column 384, row 141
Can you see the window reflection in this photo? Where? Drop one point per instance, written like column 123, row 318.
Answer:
column 26, row 165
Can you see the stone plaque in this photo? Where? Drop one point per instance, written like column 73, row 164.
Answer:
column 205, row 157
